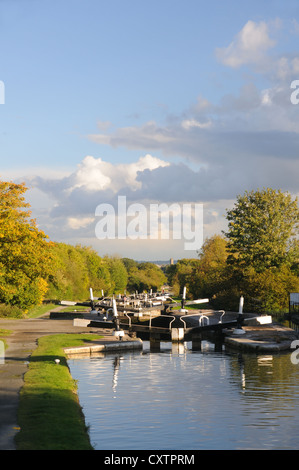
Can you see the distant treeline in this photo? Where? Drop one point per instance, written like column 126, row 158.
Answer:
column 77, row 268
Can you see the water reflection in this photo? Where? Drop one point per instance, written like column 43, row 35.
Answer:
column 181, row 399
column 116, row 366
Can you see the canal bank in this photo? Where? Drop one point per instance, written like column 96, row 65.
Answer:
column 21, row 343
column 262, row 338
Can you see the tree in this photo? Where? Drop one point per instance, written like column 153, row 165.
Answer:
column 143, row 276
column 69, row 278
column 25, row 253
column 262, row 230
column 118, row 273
column 263, row 249
column 99, row 277
column 213, row 252
column 212, row 274
column 268, row 291
column 184, row 274
column 74, row 270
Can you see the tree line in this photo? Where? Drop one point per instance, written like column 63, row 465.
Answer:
column 77, row 268
column 258, row 257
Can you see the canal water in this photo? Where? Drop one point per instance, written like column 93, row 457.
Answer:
column 179, row 399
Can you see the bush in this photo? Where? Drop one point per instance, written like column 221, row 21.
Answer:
column 12, row 311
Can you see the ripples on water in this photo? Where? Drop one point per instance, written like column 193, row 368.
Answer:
column 185, row 400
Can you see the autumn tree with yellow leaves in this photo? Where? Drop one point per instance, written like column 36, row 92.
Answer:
column 25, row 252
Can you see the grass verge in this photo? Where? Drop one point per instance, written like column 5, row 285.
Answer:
column 39, row 310
column 50, row 416
column 12, row 312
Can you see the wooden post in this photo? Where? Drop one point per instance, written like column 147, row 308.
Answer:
column 155, row 342
column 196, row 342
column 218, row 342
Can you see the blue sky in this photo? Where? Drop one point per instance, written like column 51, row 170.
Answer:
column 187, row 101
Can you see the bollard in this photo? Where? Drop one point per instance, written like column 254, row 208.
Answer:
column 183, row 301
column 177, row 334
column 239, row 330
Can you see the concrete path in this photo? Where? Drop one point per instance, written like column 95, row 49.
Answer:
column 21, row 343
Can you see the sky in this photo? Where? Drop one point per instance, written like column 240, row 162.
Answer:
column 174, row 102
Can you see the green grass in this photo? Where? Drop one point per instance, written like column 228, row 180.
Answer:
column 39, row 310
column 35, row 312
column 5, row 332
column 12, row 312
column 191, row 306
column 50, row 416
column 72, row 308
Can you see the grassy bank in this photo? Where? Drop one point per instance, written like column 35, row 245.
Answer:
column 39, row 310
column 50, row 416
column 14, row 312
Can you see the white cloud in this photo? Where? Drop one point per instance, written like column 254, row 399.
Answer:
column 78, row 222
column 249, row 46
column 94, row 174
column 190, row 123
column 252, row 45
column 266, row 97
column 75, row 197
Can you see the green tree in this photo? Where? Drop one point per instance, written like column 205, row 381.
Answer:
column 268, row 291
column 143, row 276
column 184, row 273
column 99, row 277
column 206, row 277
column 69, row 278
column 25, row 253
column 263, row 249
column 263, row 229
column 75, row 269
column 211, row 277
column 118, row 273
